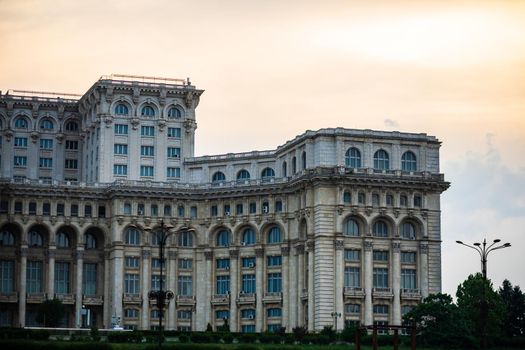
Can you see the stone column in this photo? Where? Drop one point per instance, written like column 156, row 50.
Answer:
column 107, row 290
column 79, row 291
column 117, row 280
column 23, row 286
column 423, row 263
column 234, row 290
column 292, row 305
column 209, row 287
column 202, row 302
column 285, row 252
column 396, row 283
column 171, row 276
column 311, row 293
column 259, row 283
column 339, row 283
column 300, row 284
column 146, row 278
column 369, row 279
column 51, row 273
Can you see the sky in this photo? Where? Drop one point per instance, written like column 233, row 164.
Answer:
column 273, row 69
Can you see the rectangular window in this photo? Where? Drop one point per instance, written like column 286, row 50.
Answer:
column 46, row 162
column 132, row 262
column 274, row 260
column 121, row 129
column 248, row 314
column 380, row 278
column 278, row 206
column 214, row 211
column 223, row 285
column 352, row 277
column 88, row 211
column 148, row 151
column 183, row 314
column 155, row 263
column 403, row 201
column 74, row 209
column 173, row 152
column 146, row 170
column 248, row 328
column 46, row 209
column 155, row 282
column 71, row 164
column 120, row 169
column 352, row 309
column 253, row 208
column 62, row 277
column 380, row 309
column 352, row 254
column 186, row 264
column 20, row 142
column 131, row 313
column 46, row 144
column 18, row 207
column 389, row 200
column 89, row 279
column 248, row 262
column 227, row 209
column 239, row 209
column 380, row 255
column 408, row 257
column 147, row 130
column 248, row 284
column 274, row 283
column 180, row 211
column 361, row 198
column 222, row 314
column 174, row 132
column 101, row 211
column 131, row 283
column 20, row 161
column 71, row 144
column 185, row 285
column 120, row 149
column 417, row 201
column 274, row 312
column 173, row 173
column 223, row 264
column 6, row 276
column 60, row 209
column 34, row 277
column 408, row 279
column 32, row 208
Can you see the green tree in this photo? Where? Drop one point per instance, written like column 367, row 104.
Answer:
column 50, row 313
column 514, row 301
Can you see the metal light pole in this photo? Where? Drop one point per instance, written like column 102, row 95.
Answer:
column 483, row 252
column 162, row 295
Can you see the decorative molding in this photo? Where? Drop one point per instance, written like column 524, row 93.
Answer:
column 299, row 249
column 259, row 252
column 368, row 245
column 208, row 255
column 396, row 247
column 234, row 253
column 285, row 251
column 146, row 254
column 310, row 245
column 423, row 248
column 79, row 254
column 172, row 255
column 23, row 252
column 339, row 244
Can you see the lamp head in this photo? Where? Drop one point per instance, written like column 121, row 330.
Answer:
column 477, row 244
column 497, row 240
column 459, row 242
column 506, row 245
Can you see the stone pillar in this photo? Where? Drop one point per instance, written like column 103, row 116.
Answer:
column 300, row 284
column 79, row 278
column 146, row 278
column 171, row 276
column 339, row 283
column 51, row 273
column 117, row 280
column 200, row 292
column 311, row 293
column 423, row 263
column 396, row 283
column 23, row 286
column 234, row 290
column 209, row 287
column 107, row 290
column 292, row 305
column 369, row 279
column 285, row 252
column 259, row 283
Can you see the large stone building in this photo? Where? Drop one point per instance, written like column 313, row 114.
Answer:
column 335, row 225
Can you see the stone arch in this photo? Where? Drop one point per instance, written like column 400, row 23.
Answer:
column 98, row 233
column 390, row 222
column 53, row 119
column 360, row 221
column 16, row 230
column 214, row 232
column 24, row 115
column 177, row 105
column 149, row 102
column 265, row 230
column 416, row 222
column 127, row 102
column 239, row 231
column 72, row 233
column 41, row 229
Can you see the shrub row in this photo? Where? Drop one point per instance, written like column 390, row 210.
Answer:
column 22, row 333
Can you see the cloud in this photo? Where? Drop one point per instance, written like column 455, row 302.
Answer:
column 391, row 123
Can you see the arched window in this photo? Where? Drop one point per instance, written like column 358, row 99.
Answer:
column 185, row 239
column 71, row 126
column 248, row 237
column 285, row 169
column 90, row 241
column 218, row 177
column 223, row 238
column 347, row 197
column 294, row 165
column 381, row 160
column 274, row 235
column 121, row 109
column 303, row 158
column 156, row 238
column 243, row 175
column 380, row 229
column 132, row 236
column 351, row 227
column 34, row 239
column 267, row 174
column 408, row 231
column 63, row 240
column 148, row 111
column 408, row 161
column 353, row 158
column 21, row 123
column 7, row 238
column 175, row 113
column 167, row 210
column 46, row 124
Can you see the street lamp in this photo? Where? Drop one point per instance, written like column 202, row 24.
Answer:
column 162, row 295
column 335, row 315
column 483, row 252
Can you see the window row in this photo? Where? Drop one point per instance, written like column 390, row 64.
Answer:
column 243, row 175
column 145, row 171
column 353, row 227
column 60, row 209
column 147, row 151
column 381, row 160
column 389, row 199
column 352, row 278
column 149, row 110
column 45, row 124
column 44, row 162
column 63, row 239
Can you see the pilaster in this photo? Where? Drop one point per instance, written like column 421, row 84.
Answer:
column 368, row 246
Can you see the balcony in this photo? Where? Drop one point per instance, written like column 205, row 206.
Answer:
column 353, row 292
column 35, row 297
column 271, row 298
column 65, row 298
column 185, row 300
column 220, row 299
column 93, row 299
column 411, row 294
column 11, row 297
column 382, row 293
column 304, row 294
column 132, row 298
column 246, row 298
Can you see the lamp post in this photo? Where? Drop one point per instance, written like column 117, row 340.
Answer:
column 483, row 252
column 162, row 295
column 335, row 315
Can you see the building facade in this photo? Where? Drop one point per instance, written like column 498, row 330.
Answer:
column 334, row 226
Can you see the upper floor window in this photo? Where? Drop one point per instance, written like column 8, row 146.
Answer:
column 47, row 144
column 46, row 124
column 274, row 235
column 63, row 240
column 90, row 241
column 121, row 129
column 185, row 239
column 267, row 173
column 173, row 152
column 146, row 130
column 174, row 112
column 248, row 237
column 174, row 132
column 146, row 170
column 121, row 109
column 72, row 126
column 243, row 175
column 167, row 210
column 148, row 111
column 223, row 238
column 6, row 238
column 347, row 197
column 408, row 161
column 147, row 151
column 351, row 227
column 21, row 123
column 20, row 142
column 218, row 177
column 303, row 160
column 408, row 230
column 132, row 236
column 381, row 160
column 353, row 158
column 34, row 239
column 380, row 229
column 294, row 165
column 285, row 169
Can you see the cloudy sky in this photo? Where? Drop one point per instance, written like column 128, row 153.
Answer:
column 273, row 69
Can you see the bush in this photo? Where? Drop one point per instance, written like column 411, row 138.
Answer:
column 227, row 338
column 246, row 347
column 184, row 338
column 270, row 338
column 248, row 337
column 125, row 337
column 199, row 337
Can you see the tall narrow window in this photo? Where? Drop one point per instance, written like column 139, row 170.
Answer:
column 274, row 282
column 352, row 277
column 274, row 235
column 380, row 229
column 351, row 227
column 6, row 276
column 408, row 161
column 248, row 237
column 353, row 158
column 62, row 278
column 381, row 160
column 223, row 285
column 34, row 277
